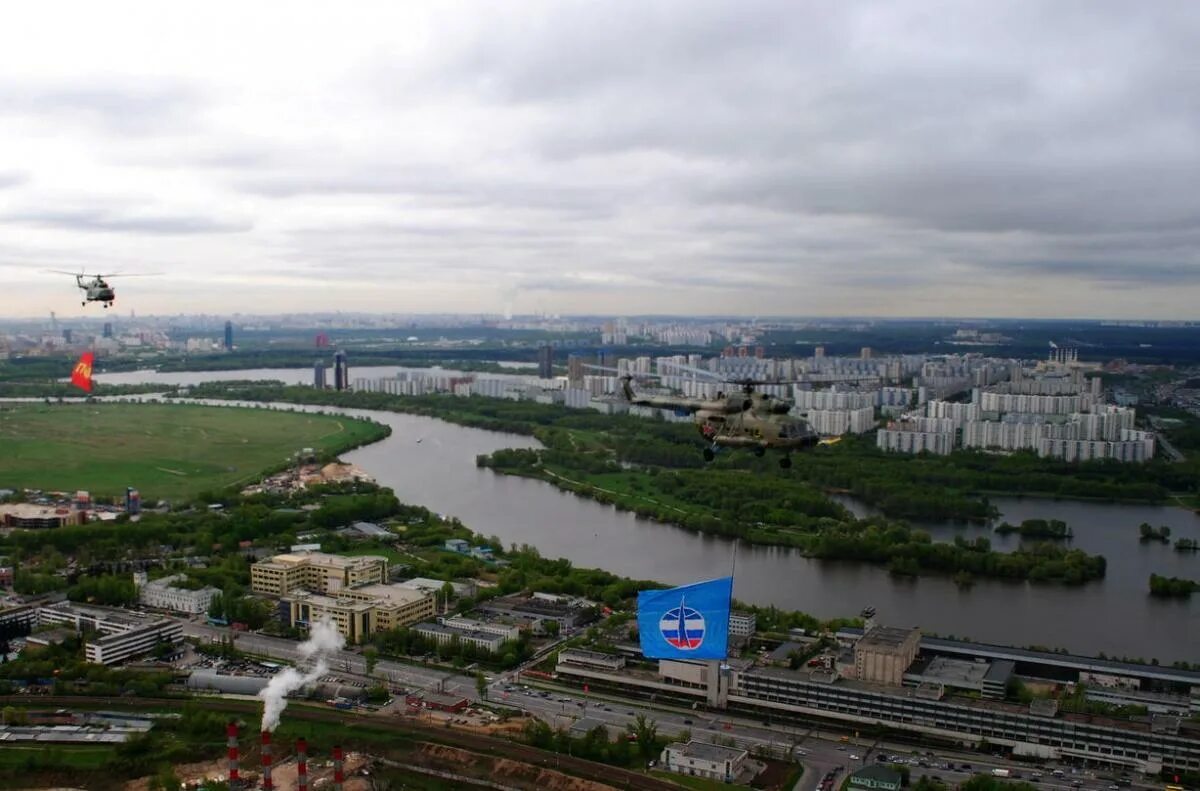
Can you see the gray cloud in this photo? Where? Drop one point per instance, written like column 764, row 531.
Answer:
column 685, row 155
column 140, row 106
column 12, row 178
column 108, row 221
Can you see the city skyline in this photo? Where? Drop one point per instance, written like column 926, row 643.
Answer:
column 1034, row 160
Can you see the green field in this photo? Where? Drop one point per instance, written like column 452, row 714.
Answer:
column 166, row 451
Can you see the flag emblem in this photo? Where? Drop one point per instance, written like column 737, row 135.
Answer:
column 81, row 377
column 682, row 627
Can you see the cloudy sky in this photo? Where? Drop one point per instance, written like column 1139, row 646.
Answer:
column 759, row 158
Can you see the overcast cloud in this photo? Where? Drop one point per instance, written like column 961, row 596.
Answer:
column 757, row 158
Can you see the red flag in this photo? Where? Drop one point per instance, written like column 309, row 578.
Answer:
column 81, row 377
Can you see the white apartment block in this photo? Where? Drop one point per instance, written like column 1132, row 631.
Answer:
column 941, row 425
column 1002, row 434
column 900, row 440
column 1035, row 404
column 841, row 421
column 1135, row 446
column 161, row 595
column 832, row 399
column 958, row 412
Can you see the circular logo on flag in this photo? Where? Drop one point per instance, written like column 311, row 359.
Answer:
column 682, row 628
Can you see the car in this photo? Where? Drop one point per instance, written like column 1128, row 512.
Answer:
column 629, row 713
column 853, row 757
column 841, row 748
column 687, row 722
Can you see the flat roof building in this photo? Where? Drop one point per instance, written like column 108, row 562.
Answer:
column 702, row 759
column 317, row 572
column 162, row 594
column 361, row 612
column 884, row 654
column 442, row 635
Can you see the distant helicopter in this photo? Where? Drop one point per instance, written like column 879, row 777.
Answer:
column 97, row 289
column 744, row 419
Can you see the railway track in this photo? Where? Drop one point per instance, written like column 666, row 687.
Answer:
column 478, row 743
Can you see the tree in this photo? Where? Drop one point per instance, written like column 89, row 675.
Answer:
column 371, row 658
column 645, row 734
column 481, row 685
column 551, row 628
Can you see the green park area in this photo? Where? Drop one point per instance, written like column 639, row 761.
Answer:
column 166, row 451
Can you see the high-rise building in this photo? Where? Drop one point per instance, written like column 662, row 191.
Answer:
column 341, row 371
column 229, row 336
column 66, row 335
column 319, row 375
column 108, row 329
column 545, row 361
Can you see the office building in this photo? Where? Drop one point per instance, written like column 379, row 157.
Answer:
column 442, row 635
column 360, row 612
column 742, row 624
column 316, row 572
column 545, row 359
column 341, row 371
column 702, row 759
column 117, row 635
column 229, row 336
column 319, row 380
column 108, row 330
column 113, row 648
column 163, row 595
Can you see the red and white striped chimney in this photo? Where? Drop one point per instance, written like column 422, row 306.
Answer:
column 301, row 765
column 266, row 761
column 339, row 776
column 231, row 736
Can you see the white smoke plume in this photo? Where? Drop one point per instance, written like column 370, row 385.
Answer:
column 324, row 641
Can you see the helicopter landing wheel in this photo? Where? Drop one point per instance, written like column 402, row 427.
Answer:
column 785, row 462
column 760, row 452
column 708, row 454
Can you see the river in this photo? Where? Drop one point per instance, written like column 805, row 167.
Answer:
column 1115, row 616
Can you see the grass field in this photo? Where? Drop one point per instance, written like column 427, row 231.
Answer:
column 166, row 451
column 14, row 757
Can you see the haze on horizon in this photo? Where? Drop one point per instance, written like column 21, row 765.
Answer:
column 762, row 158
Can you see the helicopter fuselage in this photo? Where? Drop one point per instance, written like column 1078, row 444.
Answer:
column 97, row 290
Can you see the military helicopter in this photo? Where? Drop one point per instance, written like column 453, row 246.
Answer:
column 746, row 418
column 95, row 290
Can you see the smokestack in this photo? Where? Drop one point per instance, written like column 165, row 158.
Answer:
column 339, row 776
column 231, row 736
column 301, row 765
column 266, row 761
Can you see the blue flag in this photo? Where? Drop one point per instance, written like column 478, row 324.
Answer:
column 691, row 622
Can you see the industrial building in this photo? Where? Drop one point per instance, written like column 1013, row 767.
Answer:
column 28, row 516
column 316, row 572
column 884, row 654
column 952, row 691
